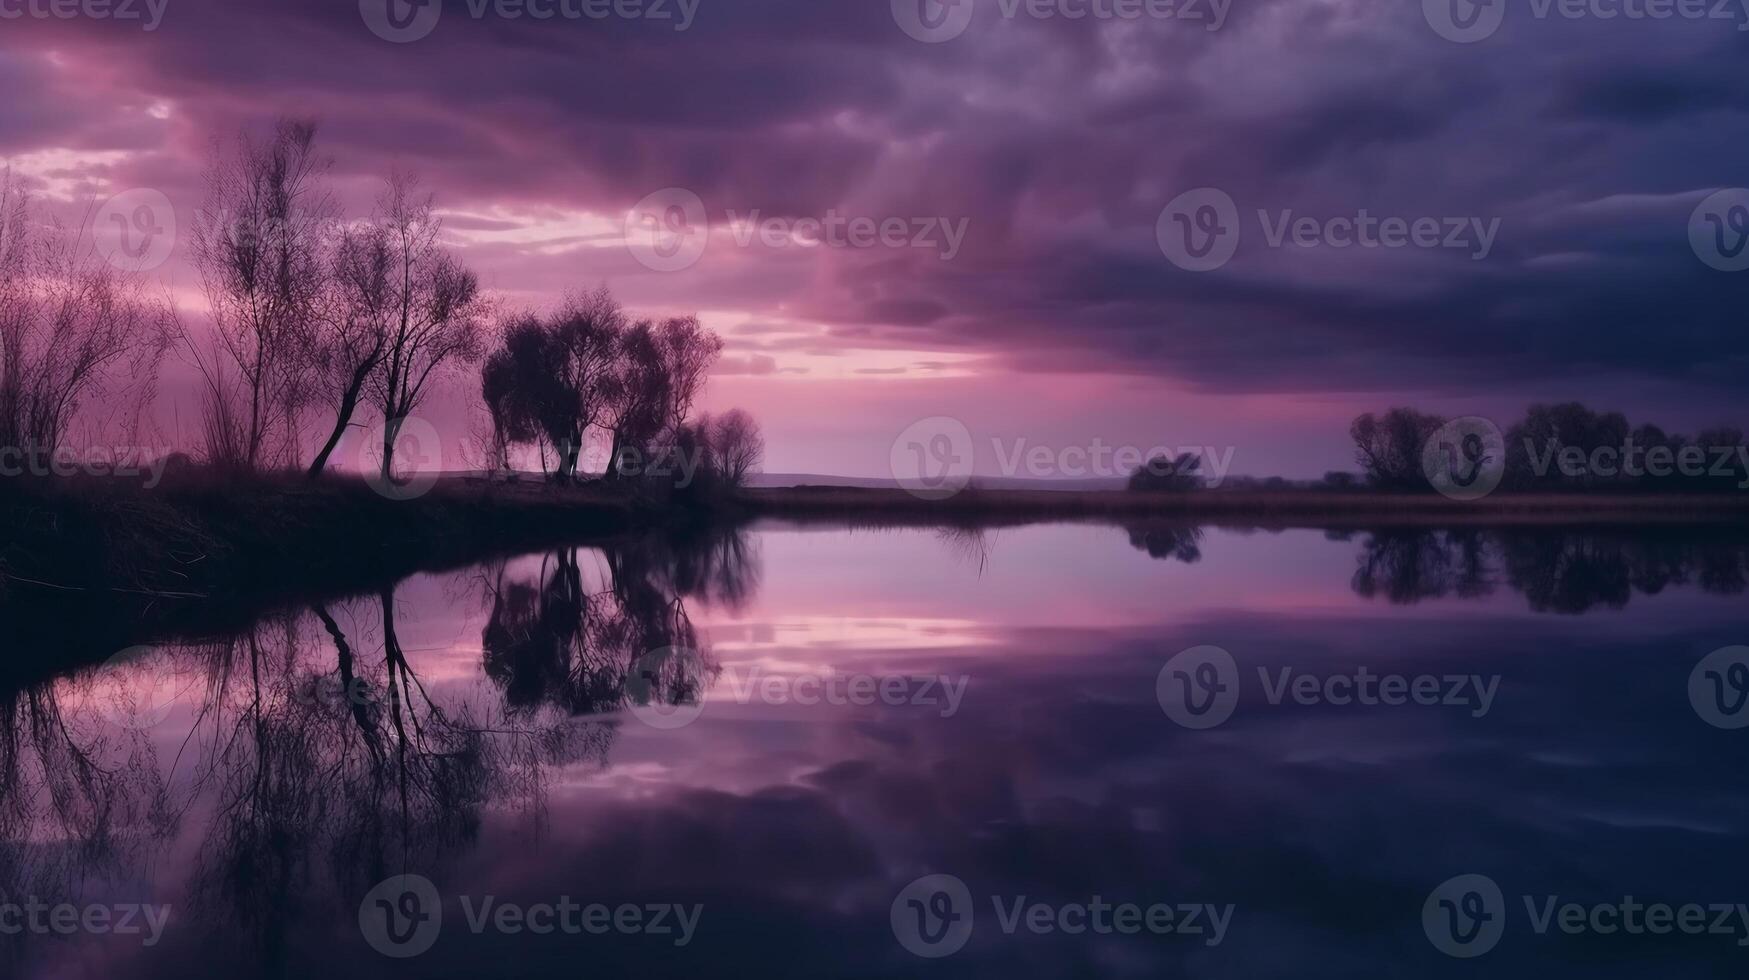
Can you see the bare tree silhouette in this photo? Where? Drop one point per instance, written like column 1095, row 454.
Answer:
column 72, row 327
column 260, row 245
column 434, row 310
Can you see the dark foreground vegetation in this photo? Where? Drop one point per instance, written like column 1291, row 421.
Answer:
column 203, row 539
column 98, row 565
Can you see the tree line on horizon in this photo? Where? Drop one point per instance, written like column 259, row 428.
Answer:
column 1389, row 451
column 1390, row 448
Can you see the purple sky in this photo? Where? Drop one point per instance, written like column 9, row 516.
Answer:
column 1585, row 143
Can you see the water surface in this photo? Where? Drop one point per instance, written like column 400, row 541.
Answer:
column 780, row 731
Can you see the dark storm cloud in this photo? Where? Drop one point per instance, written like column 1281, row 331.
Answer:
column 1059, row 142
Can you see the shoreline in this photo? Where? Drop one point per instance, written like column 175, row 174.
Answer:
column 1264, row 509
column 205, row 537
column 89, row 570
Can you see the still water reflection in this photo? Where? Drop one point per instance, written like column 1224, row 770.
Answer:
column 747, row 748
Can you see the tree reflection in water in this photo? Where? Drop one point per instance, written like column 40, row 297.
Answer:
column 318, row 759
column 313, row 756
column 555, row 642
column 1167, row 542
column 1557, row 570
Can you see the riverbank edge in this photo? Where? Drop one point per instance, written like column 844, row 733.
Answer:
column 1262, row 509
column 214, row 539
column 88, row 572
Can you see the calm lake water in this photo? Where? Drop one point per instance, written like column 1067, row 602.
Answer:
column 1043, row 751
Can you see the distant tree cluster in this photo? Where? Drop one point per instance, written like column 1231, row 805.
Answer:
column 589, row 367
column 1562, row 447
column 1388, row 447
column 1569, row 446
column 736, row 443
column 1168, row 474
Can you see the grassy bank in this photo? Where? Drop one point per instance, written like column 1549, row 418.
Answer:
column 212, row 539
column 1284, row 508
column 89, row 568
